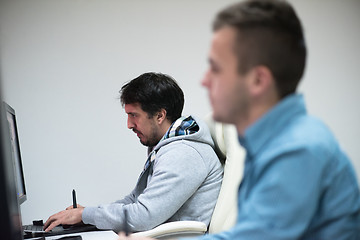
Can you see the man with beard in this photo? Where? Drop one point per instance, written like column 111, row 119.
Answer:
column 182, row 175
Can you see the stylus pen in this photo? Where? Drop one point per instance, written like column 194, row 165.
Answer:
column 126, row 223
column 74, row 198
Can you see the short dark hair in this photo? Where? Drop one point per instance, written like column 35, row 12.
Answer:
column 269, row 33
column 154, row 91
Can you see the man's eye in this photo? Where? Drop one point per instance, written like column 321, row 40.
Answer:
column 214, row 69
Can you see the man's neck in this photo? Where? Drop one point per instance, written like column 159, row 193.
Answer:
column 255, row 113
column 165, row 127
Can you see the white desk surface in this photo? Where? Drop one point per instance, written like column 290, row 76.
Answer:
column 94, row 235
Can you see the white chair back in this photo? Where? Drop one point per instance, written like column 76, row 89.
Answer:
column 228, row 147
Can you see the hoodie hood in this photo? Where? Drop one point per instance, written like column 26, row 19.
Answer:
column 193, row 130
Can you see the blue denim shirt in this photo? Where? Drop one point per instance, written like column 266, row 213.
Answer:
column 298, row 184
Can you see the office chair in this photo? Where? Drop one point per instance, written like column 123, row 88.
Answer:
column 232, row 155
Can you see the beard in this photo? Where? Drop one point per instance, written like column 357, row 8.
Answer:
column 150, row 142
column 152, row 139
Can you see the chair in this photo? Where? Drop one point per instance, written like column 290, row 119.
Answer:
column 232, row 155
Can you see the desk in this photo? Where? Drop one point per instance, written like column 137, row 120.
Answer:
column 94, row 235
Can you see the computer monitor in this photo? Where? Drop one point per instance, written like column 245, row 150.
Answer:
column 16, row 154
column 10, row 217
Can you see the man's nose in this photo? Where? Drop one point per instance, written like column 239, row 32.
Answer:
column 206, row 79
column 130, row 124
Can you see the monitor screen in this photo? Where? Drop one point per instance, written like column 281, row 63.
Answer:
column 10, row 216
column 15, row 152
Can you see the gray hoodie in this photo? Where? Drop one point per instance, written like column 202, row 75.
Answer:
column 183, row 184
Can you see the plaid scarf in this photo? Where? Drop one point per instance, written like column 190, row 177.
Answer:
column 182, row 126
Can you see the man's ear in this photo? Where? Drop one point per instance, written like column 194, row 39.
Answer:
column 161, row 116
column 261, row 80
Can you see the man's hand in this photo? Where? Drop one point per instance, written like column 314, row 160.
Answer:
column 69, row 216
column 72, row 207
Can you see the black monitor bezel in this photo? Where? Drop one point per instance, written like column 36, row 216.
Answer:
column 10, row 214
column 10, row 110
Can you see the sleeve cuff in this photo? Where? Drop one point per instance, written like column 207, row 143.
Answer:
column 88, row 215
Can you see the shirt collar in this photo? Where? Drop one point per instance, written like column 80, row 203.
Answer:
column 271, row 123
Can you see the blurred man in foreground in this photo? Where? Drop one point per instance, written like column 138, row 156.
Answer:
column 298, row 183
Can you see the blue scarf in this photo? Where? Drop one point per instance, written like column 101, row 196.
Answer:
column 182, row 126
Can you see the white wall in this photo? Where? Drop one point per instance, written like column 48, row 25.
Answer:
column 63, row 63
